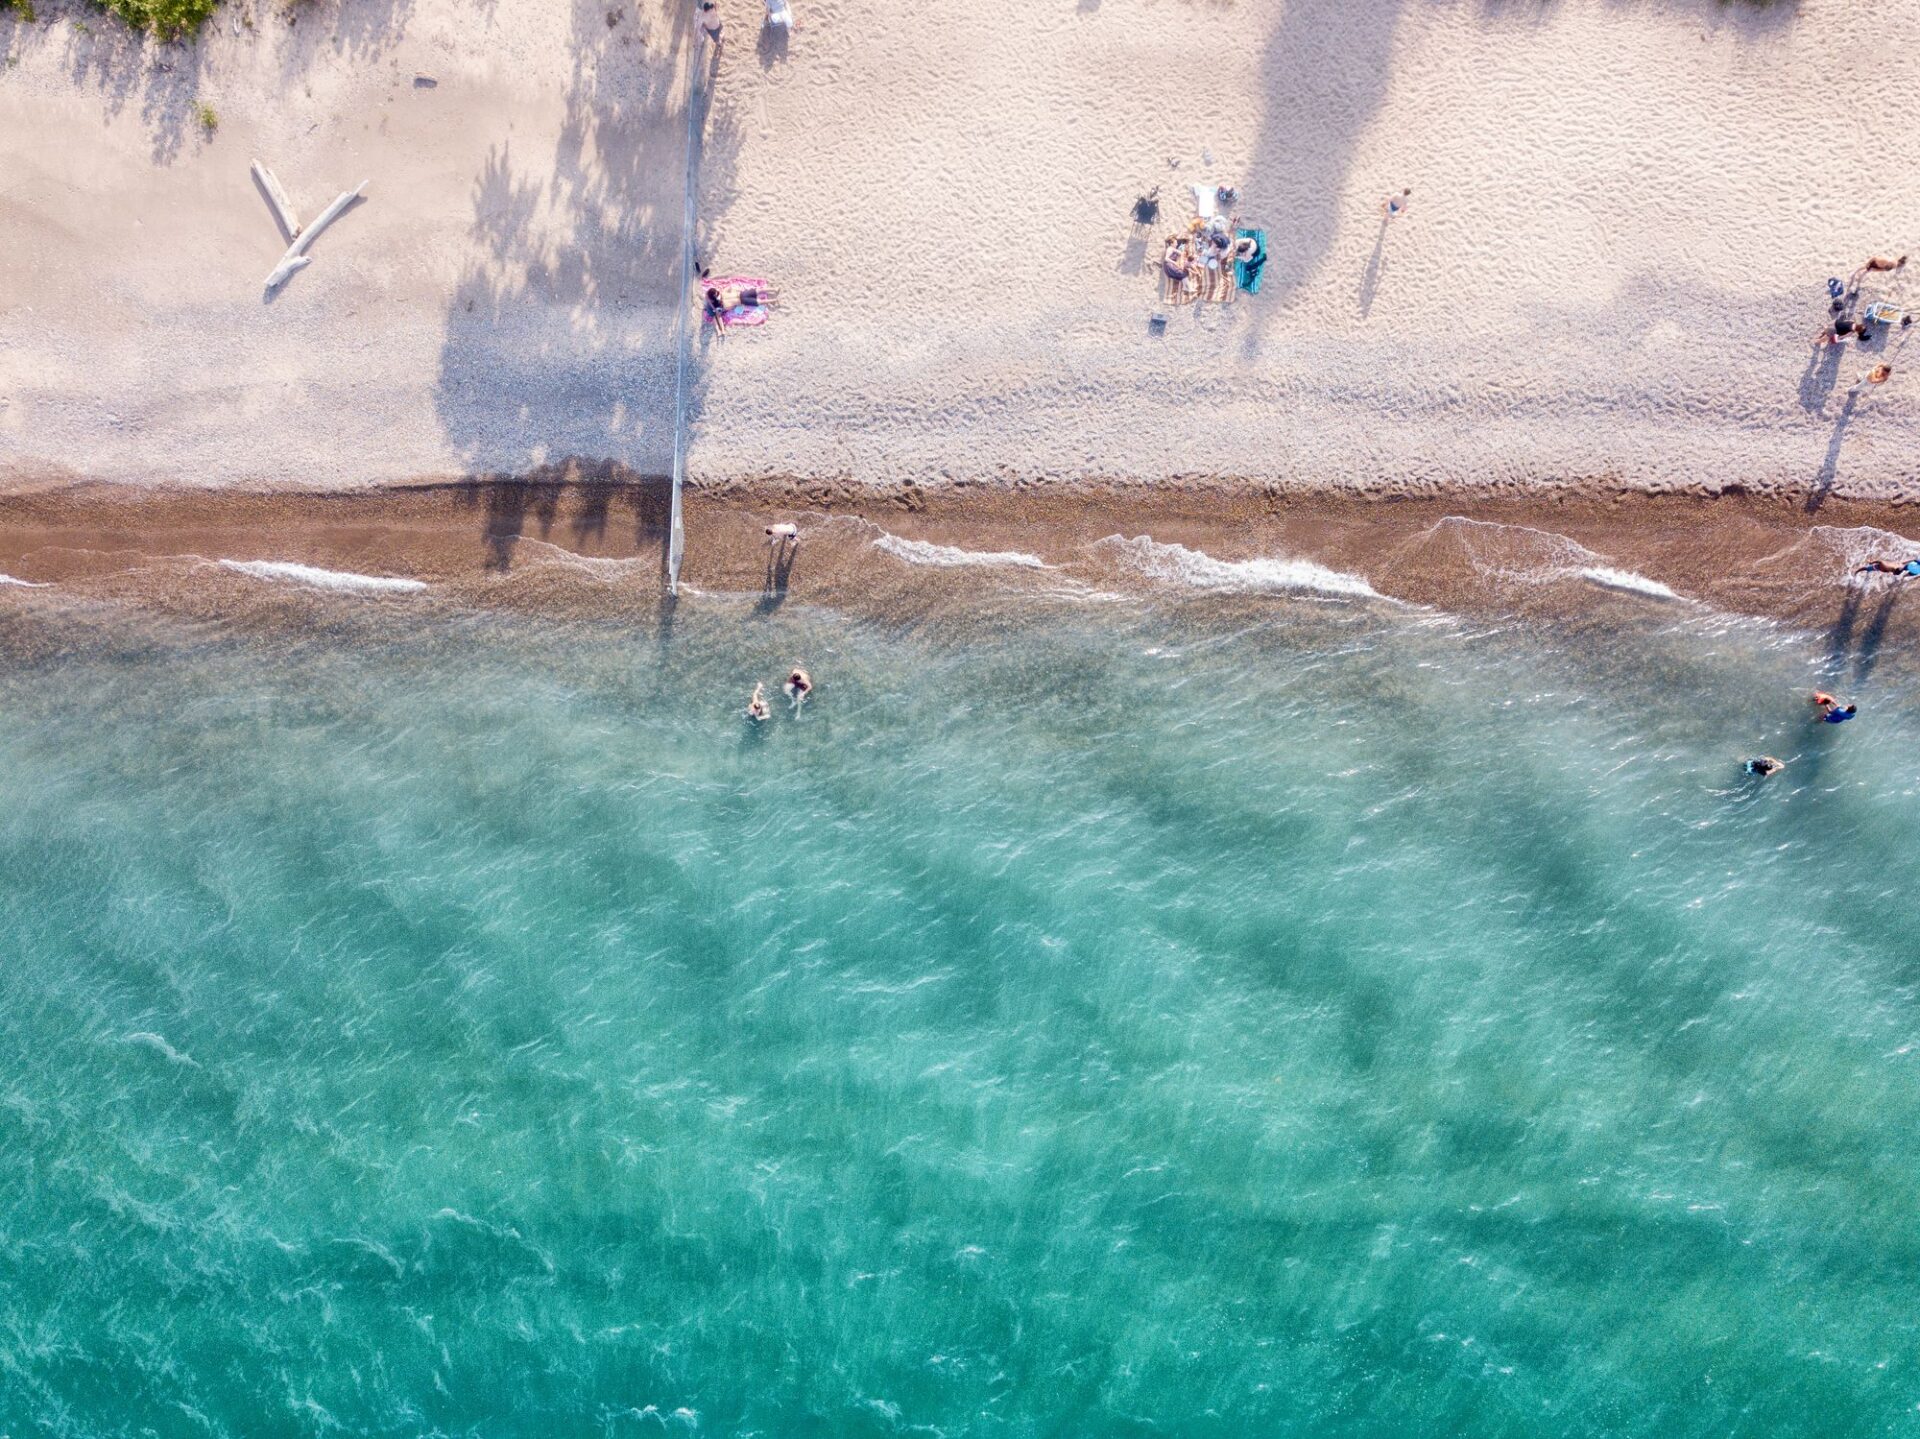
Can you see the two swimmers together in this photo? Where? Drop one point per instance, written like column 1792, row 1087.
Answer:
column 1831, row 712
column 798, row 686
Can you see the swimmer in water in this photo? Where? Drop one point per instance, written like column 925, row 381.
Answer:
column 757, row 707
column 1764, row 765
column 799, row 686
column 1831, row 710
column 1909, row 568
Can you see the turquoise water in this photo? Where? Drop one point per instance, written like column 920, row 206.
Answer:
column 1264, row 1017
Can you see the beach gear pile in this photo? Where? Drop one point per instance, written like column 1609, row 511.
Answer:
column 1213, row 258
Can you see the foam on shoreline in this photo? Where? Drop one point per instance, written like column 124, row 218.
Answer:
column 1266, row 574
column 923, row 552
column 317, row 578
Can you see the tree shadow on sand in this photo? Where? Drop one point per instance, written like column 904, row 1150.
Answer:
column 582, row 501
column 1324, row 73
column 558, row 357
column 160, row 80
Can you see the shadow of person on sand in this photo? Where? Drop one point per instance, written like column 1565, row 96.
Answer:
column 772, row 45
column 1370, row 277
column 1817, row 380
column 773, row 587
column 1830, row 467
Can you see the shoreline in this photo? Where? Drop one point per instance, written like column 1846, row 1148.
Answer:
column 592, row 543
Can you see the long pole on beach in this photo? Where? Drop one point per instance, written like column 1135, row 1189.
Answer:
column 676, row 527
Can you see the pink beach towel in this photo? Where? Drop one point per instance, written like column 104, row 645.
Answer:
column 739, row 314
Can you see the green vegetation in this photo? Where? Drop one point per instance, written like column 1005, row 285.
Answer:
column 208, row 117
column 22, row 8
column 168, row 19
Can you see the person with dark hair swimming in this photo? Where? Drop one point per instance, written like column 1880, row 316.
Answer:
column 799, row 685
column 1764, row 765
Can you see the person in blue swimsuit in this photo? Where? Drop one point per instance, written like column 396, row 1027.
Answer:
column 1831, row 710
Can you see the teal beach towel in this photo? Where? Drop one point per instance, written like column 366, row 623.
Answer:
column 1247, row 272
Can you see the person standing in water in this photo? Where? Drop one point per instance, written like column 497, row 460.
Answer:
column 758, row 710
column 799, row 685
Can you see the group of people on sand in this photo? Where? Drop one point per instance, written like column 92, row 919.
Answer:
column 1848, row 319
column 1199, row 262
column 798, row 686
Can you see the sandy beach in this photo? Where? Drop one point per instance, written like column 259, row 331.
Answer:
column 1623, row 220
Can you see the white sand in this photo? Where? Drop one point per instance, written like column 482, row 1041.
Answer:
column 1624, row 216
column 502, row 299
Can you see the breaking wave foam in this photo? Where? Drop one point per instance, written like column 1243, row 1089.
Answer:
column 322, row 579
column 1521, row 554
column 921, row 552
column 1263, row 575
column 23, row 584
column 1610, row 578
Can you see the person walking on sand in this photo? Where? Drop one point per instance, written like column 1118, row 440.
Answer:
column 799, row 685
column 787, row 534
column 758, row 710
column 710, row 23
column 1396, row 205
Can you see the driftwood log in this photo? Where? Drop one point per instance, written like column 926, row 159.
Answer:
column 296, row 256
column 277, row 201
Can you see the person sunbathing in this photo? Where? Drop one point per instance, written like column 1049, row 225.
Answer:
column 1909, row 568
column 1177, row 261
column 746, row 297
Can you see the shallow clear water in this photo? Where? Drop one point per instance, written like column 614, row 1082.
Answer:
column 1279, row 1018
